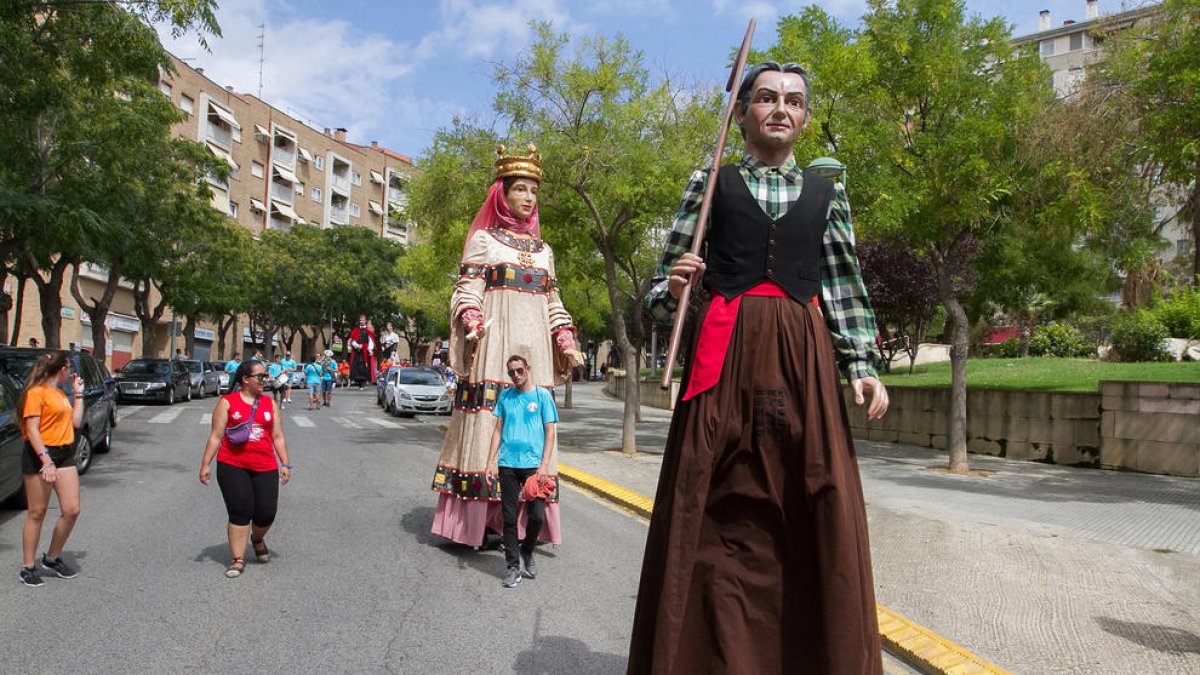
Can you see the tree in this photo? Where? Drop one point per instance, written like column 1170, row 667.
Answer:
column 68, row 71
column 903, row 291
column 925, row 106
column 617, row 148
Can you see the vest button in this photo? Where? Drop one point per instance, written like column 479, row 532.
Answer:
column 770, row 271
column 770, row 242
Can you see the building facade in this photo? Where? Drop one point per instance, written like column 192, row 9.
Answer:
column 283, row 173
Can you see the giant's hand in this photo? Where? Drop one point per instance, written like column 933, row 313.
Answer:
column 879, row 396
column 575, row 356
column 689, row 268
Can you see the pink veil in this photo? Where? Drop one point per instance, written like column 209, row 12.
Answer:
column 495, row 212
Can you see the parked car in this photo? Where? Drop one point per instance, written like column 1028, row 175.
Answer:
column 381, row 385
column 155, row 379
column 412, row 390
column 11, row 443
column 205, row 379
column 223, row 378
column 99, row 397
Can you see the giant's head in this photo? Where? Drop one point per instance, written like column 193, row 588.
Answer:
column 772, row 105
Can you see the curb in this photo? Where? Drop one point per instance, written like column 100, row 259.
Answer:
column 907, row 640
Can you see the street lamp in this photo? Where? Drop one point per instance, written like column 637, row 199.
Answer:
column 828, row 167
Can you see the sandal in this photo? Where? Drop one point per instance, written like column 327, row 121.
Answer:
column 235, row 567
column 261, row 553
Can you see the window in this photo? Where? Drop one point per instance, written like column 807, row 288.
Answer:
column 354, row 210
column 299, row 188
column 318, row 162
column 233, row 209
column 256, row 169
column 316, row 194
column 165, row 89
column 186, row 104
column 237, row 134
column 1047, row 48
column 1076, row 42
column 355, row 178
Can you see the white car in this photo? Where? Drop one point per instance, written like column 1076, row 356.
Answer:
column 412, row 390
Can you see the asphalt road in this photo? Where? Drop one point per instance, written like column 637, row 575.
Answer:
column 356, row 583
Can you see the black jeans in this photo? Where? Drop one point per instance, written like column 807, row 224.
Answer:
column 511, row 481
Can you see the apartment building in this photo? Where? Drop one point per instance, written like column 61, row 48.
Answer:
column 283, row 173
column 1068, row 49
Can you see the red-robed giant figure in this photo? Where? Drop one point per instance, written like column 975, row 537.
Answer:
column 362, row 353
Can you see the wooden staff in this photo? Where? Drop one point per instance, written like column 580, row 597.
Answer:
column 735, row 79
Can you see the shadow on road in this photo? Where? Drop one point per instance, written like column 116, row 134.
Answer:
column 1166, row 639
column 551, row 654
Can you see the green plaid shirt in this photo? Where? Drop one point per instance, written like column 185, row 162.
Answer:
column 844, row 300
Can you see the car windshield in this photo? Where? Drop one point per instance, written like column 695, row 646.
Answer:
column 19, row 365
column 420, row 377
column 193, row 366
column 147, row 368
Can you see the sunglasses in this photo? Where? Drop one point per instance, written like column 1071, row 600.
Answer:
column 259, row 376
column 516, row 371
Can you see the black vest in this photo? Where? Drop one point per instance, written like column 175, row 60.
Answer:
column 746, row 247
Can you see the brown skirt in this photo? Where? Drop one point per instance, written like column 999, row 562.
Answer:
column 757, row 558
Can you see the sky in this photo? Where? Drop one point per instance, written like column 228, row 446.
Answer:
column 396, row 71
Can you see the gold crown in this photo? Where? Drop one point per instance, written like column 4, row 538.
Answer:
column 528, row 166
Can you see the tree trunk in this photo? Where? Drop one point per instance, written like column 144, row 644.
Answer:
column 148, row 316
column 1195, row 199
column 19, row 310
column 189, row 336
column 50, row 301
column 568, row 399
column 98, row 310
column 308, row 343
column 621, row 333
column 6, row 304
column 957, row 440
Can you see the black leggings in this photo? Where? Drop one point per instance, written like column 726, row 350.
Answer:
column 249, row 495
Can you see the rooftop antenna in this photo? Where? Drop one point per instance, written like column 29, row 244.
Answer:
column 262, row 33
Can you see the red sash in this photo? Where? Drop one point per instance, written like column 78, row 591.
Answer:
column 715, row 334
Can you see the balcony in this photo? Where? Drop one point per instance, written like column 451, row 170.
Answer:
column 282, row 192
column 279, row 223
column 396, row 196
column 339, row 215
column 220, row 135
column 285, row 155
column 340, row 183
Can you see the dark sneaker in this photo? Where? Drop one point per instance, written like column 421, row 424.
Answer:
column 58, row 567
column 531, row 569
column 512, row 577
column 30, row 577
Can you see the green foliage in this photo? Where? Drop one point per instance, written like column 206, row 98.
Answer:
column 1139, row 336
column 1046, row 373
column 1009, row 349
column 1062, row 340
column 1180, row 313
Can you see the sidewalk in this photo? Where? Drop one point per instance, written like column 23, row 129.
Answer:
column 1037, row 568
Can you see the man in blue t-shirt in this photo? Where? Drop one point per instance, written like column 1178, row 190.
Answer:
column 231, row 367
column 523, row 445
column 312, row 380
column 289, row 367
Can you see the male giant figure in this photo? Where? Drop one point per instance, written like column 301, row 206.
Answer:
column 757, row 558
column 362, row 353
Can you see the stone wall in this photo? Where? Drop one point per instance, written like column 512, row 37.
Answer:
column 1153, row 427
column 1063, row 428
column 650, row 392
column 1142, row 426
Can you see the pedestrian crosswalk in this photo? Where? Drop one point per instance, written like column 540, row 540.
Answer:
column 352, row 419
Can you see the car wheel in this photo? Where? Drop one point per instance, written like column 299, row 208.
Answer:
column 171, row 396
column 83, row 453
column 201, row 394
column 105, row 442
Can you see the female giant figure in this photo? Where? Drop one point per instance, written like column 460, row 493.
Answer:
column 505, row 303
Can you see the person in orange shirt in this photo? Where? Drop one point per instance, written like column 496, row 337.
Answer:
column 48, row 424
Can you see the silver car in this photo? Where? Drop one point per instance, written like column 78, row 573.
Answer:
column 206, row 380
column 412, row 390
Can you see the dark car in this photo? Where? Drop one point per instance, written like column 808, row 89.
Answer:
column 205, row 379
column 164, row 380
column 10, row 442
column 100, row 403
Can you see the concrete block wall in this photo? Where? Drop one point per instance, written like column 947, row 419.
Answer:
column 1055, row 427
column 1151, row 426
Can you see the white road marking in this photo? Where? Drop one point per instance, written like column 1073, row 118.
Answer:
column 166, row 416
column 302, row 421
column 124, row 411
column 206, row 418
column 346, row 422
column 383, row 423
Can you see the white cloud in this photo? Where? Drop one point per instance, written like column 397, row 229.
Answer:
column 767, row 13
column 489, row 30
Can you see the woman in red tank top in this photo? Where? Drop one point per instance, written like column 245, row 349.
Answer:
column 247, row 470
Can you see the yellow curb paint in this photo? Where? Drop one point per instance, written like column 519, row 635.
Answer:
column 911, row 642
